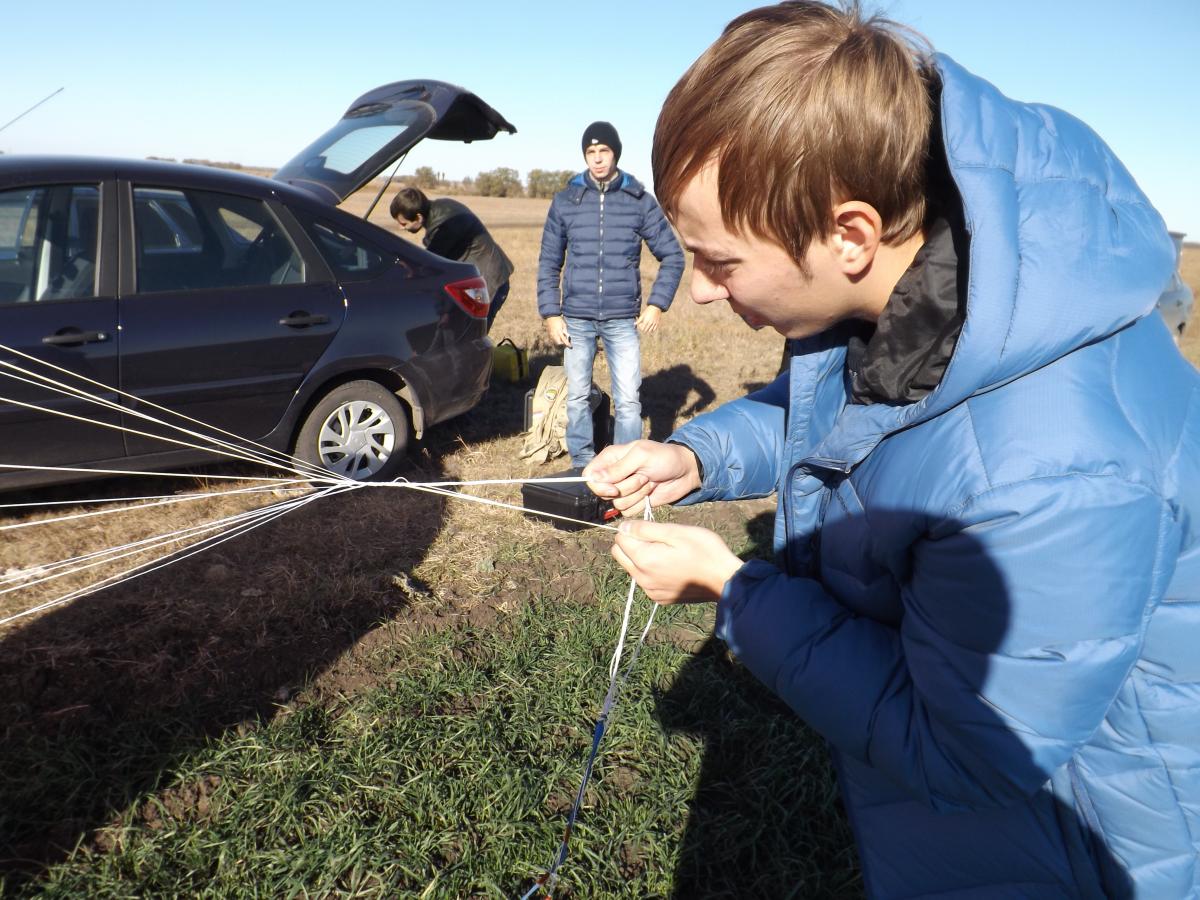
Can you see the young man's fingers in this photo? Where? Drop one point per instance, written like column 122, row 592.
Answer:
column 651, row 532
column 626, row 562
column 613, row 465
column 635, row 485
column 631, row 505
column 626, row 487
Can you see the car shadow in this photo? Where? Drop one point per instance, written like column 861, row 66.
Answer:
column 102, row 698
column 767, row 819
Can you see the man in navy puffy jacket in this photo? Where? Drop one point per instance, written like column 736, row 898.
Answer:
column 986, row 453
column 598, row 223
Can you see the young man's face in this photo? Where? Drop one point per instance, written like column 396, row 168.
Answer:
column 412, row 226
column 600, row 161
column 757, row 278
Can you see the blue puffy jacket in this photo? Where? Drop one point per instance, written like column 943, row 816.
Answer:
column 988, row 600
column 601, row 234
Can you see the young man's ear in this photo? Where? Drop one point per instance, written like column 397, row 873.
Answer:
column 858, row 229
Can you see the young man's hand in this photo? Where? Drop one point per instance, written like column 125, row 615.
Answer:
column 675, row 563
column 629, row 473
column 556, row 328
column 647, row 322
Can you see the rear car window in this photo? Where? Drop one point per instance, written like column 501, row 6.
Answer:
column 204, row 240
column 350, row 257
column 49, row 243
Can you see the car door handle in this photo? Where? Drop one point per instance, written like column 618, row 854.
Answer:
column 301, row 319
column 73, row 337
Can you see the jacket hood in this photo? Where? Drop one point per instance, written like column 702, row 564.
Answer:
column 580, row 185
column 1064, row 250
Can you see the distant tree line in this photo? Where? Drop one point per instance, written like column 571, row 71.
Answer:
column 499, row 182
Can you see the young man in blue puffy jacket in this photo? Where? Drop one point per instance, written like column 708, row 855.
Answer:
column 597, row 224
column 986, row 453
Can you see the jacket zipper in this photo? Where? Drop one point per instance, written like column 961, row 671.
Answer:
column 601, row 257
column 840, row 466
column 788, row 513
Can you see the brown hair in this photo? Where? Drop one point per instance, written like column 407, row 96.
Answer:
column 803, row 105
column 410, row 201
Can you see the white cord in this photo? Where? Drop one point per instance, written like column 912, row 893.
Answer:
column 242, row 442
column 267, row 514
column 156, row 501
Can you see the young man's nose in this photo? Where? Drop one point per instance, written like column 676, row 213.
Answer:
column 705, row 290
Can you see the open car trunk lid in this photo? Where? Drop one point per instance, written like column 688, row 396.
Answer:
column 381, row 126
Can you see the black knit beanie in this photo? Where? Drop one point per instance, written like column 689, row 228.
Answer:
column 602, row 133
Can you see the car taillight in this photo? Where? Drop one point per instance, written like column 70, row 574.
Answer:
column 472, row 295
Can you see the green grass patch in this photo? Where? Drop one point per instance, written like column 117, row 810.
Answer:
column 453, row 778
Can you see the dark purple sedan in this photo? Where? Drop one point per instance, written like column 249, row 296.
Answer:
column 253, row 305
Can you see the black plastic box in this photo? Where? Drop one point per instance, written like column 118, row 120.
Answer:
column 573, row 499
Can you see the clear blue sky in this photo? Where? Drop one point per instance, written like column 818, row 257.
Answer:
column 254, row 82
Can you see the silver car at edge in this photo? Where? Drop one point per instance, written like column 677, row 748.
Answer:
column 1177, row 300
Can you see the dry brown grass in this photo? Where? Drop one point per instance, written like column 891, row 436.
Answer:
column 1189, row 268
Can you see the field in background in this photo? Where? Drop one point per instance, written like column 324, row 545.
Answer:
column 392, row 694
column 1189, row 268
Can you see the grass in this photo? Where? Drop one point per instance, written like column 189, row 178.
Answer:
column 452, row 777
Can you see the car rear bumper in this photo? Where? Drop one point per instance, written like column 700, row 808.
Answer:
column 452, row 381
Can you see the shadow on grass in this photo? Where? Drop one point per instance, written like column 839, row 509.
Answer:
column 939, row 806
column 665, row 396
column 765, row 820
column 103, row 698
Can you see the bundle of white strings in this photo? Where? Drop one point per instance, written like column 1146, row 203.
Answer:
column 300, row 482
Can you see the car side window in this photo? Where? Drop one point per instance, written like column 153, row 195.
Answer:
column 49, row 243
column 204, row 240
column 351, row 258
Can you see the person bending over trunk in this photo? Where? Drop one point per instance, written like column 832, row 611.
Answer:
column 453, row 231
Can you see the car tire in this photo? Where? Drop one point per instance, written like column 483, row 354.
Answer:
column 358, row 430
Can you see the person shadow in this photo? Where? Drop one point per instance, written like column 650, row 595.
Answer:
column 665, row 398
column 103, row 698
column 767, row 816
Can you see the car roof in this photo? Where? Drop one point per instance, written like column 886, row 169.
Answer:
column 23, row 169
column 33, row 169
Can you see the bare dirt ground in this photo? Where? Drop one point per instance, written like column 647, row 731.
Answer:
column 235, row 632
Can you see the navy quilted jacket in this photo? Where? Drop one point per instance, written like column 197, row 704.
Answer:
column 988, row 600
column 600, row 234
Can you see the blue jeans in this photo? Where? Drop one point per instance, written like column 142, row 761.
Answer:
column 623, row 347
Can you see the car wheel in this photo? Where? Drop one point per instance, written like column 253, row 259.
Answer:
column 358, row 431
